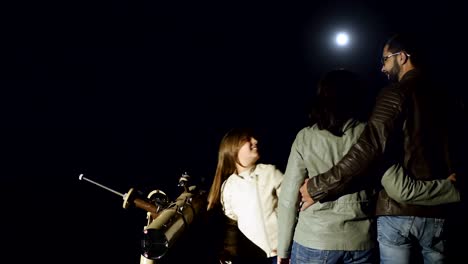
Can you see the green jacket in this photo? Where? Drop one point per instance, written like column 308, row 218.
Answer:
column 343, row 224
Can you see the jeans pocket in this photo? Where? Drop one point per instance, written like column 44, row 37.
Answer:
column 393, row 230
column 439, row 227
column 301, row 255
column 438, row 242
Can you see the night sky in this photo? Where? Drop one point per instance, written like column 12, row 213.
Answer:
column 134, row 93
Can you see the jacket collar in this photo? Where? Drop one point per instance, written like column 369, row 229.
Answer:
column 247, row 173
column 410, row 74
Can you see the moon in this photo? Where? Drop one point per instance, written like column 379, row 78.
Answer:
column 342, row 39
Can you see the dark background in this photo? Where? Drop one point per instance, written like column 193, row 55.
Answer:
column 134, row 93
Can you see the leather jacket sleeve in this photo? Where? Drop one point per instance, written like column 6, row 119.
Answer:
column 369, row 148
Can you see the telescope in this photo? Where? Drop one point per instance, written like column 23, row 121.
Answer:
column 167, row 221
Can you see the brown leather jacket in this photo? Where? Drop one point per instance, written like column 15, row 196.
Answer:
column 405, row 126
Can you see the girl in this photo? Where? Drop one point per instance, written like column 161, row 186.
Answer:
column 247, row 193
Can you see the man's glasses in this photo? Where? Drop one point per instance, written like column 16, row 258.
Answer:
column 385, row 58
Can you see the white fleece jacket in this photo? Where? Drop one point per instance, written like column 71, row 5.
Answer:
column 251, row 198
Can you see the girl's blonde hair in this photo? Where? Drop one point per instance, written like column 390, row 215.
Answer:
column 227, row 159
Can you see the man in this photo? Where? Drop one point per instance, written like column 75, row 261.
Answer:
column 407, row 128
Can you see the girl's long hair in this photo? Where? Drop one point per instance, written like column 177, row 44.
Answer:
column 227, row 159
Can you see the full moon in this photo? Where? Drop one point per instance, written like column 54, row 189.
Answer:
column 342, row 39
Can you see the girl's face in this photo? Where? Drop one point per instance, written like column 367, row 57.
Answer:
column 248, row 153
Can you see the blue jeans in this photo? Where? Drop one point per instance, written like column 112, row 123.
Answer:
column 274, row 260
column 305, row 255
column 402, row 237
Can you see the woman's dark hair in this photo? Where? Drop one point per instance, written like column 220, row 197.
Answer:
column 340, row 97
